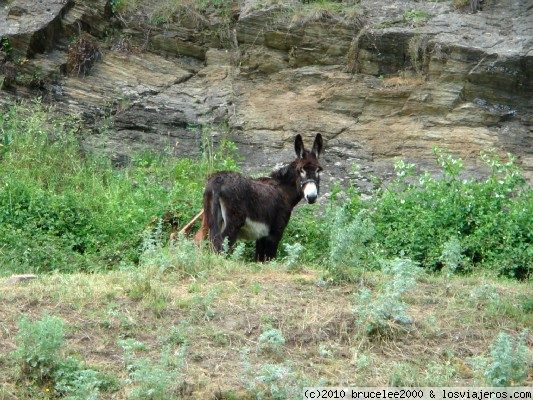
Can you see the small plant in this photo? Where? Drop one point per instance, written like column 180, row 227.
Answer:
column 176, row 336
column 375, row 312
column 485, row 295
column 271, row 340
column 202, row 305
column 238, row 252
column 270, row 381
column 509, row 361
column 76, row 382
column 118, row 5
column 451, row 256
column 416, row 17
column 39, row 351
column 326, row 351
column 403, row 375
column 5, row 45
column 82, row 54
column 294, row 252
column 350, row 252
column 153, row 381
column 39, row 345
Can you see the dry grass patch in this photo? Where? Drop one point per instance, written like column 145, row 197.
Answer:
column 220, row 315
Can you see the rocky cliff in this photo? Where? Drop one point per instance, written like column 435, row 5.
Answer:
column 380, row 80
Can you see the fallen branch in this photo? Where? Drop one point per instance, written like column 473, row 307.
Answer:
column 187, row 228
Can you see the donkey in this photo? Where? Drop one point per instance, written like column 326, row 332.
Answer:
column 237, row 207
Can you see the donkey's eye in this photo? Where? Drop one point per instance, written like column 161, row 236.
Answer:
column 303, row 173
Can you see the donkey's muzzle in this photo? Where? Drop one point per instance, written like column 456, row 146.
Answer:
column 311, row 199
column 310, row 190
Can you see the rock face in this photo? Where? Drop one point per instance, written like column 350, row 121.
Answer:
column 379, row 81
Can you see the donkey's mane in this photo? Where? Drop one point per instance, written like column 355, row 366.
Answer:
column 285, row 174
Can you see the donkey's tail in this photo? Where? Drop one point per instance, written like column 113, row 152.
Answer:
column 213, row 215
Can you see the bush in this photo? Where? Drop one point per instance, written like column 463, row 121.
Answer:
column 67, row 211
column 271, row 340
column 149, row 380
column 376, row 312
column 76, row 382
column 350, row 249
column 271, row 381
column 38, row 346
column 39, row 351
column 490, row 222
column 509, row 363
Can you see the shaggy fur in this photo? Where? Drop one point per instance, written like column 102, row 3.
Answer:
column 236, row 206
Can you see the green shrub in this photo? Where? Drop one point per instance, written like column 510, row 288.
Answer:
column 270, row 381
column 491, row 219
column 308, row 227
column 149, row 380
column 350, row 245
column 67, row 211
column 293, row 252
column 271, row 340
column 375, row 312
column 416, row 17
column 38, row 346
column 76, row 382
column 509, row 361
column 39, row 351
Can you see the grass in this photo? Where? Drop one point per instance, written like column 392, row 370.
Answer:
column 160, row 12
column 310, row 330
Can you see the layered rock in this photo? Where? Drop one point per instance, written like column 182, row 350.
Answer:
column 376, row 83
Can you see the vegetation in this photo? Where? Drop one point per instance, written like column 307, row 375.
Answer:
column 63, row 210
column 460, row 224
column 509, row 361
column 416, row 17
column 39, row 354
column 82, row 54
column 396, row 286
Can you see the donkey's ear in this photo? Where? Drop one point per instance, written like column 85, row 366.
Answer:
column 317, row 145
column 299, row 146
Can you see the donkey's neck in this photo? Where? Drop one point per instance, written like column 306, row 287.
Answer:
column 287, row 177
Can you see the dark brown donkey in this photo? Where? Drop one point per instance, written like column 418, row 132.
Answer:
column 237, row 207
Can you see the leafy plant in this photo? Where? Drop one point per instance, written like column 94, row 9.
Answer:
column 153, row 381
column 509, row 361
column 270, row 381
column 375, row 312
column 76, row 382
column 492, row 219
column 271, row 340
column 38, row 346
column 416, row 17
column 61, row 210
column 5, row 45
column 293, row 254
column 350, row 249
column 451, row 256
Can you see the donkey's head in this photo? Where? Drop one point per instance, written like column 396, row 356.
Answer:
column 308, row 168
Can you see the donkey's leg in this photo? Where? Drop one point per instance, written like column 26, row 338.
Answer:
column 231, row 233
column 266, row 249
